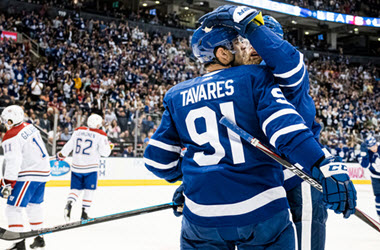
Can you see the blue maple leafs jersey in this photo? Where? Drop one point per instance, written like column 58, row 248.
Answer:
column 371, row 160
column 228, row 182
column 286, row 64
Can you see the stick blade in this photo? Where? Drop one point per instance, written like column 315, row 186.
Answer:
column 9, row 235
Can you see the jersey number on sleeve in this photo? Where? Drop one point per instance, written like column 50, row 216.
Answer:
column 211, row 135
column 78, row 147
column 9, row 148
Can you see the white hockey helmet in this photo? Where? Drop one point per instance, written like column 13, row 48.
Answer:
column 13, row 113
column 94, row 121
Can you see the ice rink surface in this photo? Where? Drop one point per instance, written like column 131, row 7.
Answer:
column 160, row 230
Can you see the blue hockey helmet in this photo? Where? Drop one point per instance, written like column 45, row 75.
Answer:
column 370, row 141
column 205, row 41
column 273, row 25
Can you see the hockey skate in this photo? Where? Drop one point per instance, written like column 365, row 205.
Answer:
column 18, row 246
column 67, row 212
column 38, row 242
column 84, row 215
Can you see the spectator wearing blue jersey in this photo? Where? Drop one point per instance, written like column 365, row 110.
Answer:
column 371, row 160
column 19, row 73
column 224, row 178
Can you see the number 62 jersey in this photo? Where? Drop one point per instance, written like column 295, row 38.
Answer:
column 88, row 145
column 25, row 154
column 228, row 182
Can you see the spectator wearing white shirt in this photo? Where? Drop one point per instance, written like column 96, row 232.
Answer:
column 36, row 89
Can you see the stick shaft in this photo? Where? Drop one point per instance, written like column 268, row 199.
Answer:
column 9, row 235
column 294, row 169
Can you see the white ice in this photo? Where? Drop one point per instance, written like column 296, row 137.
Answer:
column 160, row 230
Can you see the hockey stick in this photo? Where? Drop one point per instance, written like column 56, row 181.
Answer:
column 9, row 235
column 297, row 171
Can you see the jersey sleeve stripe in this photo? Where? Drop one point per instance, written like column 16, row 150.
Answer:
column 165, row 146
column 296, row 83
column 293, row 71
column 285, row 131
column 160, row 165
column 277, row 115
column 238, row 208
column 288, row 174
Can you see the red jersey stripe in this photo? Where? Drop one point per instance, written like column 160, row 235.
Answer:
column 23, row 191
column 14, row 131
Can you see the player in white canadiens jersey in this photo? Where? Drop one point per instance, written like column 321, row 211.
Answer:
column 26, row 172
column 88, row 144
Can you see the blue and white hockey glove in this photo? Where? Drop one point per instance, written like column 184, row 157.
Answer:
column 339, row 193
column 240, row 18
column 178, row 200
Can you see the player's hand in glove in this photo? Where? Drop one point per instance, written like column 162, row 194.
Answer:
column 112, row 145
column 363, row 150
column 60, row 157
column 339, row 193
column 178, row 200
column 6, row 188
column 240, row 18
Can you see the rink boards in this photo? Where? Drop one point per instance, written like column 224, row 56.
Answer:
column 132, row 172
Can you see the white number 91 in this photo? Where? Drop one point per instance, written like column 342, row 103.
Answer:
column 211, row 135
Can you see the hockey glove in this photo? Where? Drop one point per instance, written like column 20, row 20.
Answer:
column 339, row 193
column 376, row 164
column 112, row 145
column 178, row 200
column 240, row 18
column 60, row 157
column 363, row 149
column 6, row 188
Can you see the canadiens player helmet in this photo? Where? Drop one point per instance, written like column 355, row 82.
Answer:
column 205, row 41
column 14, row 114
column 94, row 121
column 273, row 25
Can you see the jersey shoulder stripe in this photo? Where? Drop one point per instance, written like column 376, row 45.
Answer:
column 99, row 131
column 81, row 128
column 14, row 131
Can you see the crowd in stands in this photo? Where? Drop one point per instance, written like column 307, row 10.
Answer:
column 369, row 8
column 123, row 73
column 117, row 9
column 347, row 99
column 88, row 66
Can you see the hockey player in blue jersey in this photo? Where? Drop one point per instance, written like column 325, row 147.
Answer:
column 308, row 212
column 233, row 192
column 371, row 160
